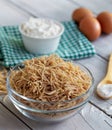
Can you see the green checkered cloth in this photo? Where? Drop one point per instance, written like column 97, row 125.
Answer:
column 73, row 45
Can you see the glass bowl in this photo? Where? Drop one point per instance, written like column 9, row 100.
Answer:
column 47, row 111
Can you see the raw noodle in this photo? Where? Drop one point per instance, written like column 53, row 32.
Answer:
column 50, row 79
column 3, row 75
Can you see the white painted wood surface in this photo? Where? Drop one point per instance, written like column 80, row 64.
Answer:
column 11, row 15
column 9, row 121
column 95, row 115
column 96, row 118
column 60, row 10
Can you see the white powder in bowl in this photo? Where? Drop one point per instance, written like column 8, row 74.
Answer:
column 41, row 28
column 105, row 91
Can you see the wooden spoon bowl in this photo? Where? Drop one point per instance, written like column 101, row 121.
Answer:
column 107, row 80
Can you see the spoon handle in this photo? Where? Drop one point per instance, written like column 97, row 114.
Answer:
column 109, row 71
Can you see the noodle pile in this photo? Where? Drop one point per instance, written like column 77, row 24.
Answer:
column 50, row 78
column 3, row 75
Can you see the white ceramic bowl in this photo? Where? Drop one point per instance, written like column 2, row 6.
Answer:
column 41, row 45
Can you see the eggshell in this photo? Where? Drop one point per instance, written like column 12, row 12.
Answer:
column 105, row 19
column 81, row 13
column 90, row 27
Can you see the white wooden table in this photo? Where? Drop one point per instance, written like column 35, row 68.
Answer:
column 95, row 115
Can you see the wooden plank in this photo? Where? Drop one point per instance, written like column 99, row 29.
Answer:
column 96, row 119
column 99, row 70
column 95, row 64
column 96, row 6
column 96, row 43
column 103, row 45
column 9, row 121
column 60, row 10
column 10, row 15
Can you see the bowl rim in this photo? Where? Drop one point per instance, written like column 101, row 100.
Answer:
column 10, row 89
column 46, row 38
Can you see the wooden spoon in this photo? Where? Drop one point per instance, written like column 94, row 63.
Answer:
column 104, row 88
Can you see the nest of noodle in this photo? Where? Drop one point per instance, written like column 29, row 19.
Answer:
column 50, row 79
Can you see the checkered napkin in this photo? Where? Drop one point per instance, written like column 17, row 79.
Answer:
column 73, row 45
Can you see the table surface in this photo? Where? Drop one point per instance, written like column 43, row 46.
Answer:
column 95, row 115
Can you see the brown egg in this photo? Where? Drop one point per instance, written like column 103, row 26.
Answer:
column 105, row 19
column 90, row 27
column 81, row 13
